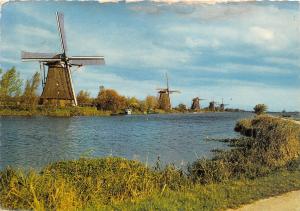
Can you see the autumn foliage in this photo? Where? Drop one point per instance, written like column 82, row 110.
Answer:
column 110, row 100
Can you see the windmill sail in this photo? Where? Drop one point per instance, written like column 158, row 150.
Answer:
column 86, row 60
column 61, row 29
column 32, row 56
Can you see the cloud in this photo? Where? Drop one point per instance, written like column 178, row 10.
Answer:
column 127, row 87
column 262, row 33
column 282, row 61
column 25, row 30
column 176, row 1
column 9, row 60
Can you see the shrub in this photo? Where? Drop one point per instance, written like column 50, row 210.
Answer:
column 275, row 140
column 260, row 109
column 271, row 143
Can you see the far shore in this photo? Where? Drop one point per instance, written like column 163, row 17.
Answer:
column 92, row 111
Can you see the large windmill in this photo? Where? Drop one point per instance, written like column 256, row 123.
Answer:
column 57, row 85
column 164, row 101
column 196, row 104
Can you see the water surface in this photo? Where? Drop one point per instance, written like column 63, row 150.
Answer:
column 176, row 138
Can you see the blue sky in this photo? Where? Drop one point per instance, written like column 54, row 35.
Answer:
column 246, row 53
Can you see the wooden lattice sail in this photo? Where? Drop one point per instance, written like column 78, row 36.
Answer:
column 58, row 86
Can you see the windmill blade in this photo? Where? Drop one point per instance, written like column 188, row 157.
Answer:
column 174, row 91
column 31, row 56
column 61, row 29
column 86, row 60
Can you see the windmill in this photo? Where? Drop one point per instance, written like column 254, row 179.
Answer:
column 212, row 105
column 164, row 101
column 57, row 85
column 196, row 104
column 222, row 105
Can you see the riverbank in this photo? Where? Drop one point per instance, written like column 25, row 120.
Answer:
column 81, row 111
column 114, row 183
column 56, row 112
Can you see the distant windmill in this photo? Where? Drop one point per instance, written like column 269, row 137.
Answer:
column 58, row 86
column 196, row 104
column 212, row 105
column 164, row 101
column 222, row 105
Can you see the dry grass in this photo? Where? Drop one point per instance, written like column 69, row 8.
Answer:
column 81, row 183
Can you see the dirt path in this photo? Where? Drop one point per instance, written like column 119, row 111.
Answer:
column 286, row 202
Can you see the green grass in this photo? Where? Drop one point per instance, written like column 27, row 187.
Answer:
column 220, row 196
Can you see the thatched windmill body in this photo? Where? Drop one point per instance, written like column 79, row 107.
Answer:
column 164, row 101
column 196, row 104
column 57, row 85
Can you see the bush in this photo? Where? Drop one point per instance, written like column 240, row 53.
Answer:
column 271, row 143
column 260, row 109
column 275, row 140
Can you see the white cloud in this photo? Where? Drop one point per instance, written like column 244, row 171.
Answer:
column 129, row 50
column 33, row 32
column 127, row 87
column 282, row 61
column 9, row 60
column 262, row 33
column 177, row 1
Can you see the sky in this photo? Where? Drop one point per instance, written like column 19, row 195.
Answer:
column 246, row 53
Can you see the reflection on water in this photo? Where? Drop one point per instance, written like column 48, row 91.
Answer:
column 35, row 141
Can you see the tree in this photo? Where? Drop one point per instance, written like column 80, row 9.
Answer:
column 151, row 103
column 181, row 107
column 10, row 84
column 110, row 100
column 30, row 96
column 83, row 98
column 260, row 109
column 133, row 103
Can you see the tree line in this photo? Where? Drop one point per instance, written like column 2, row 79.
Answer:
column 14, row 95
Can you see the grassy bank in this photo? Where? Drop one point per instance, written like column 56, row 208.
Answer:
column 78, row 111
column 115, row 183
column 57, row 112
column 263, row 163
